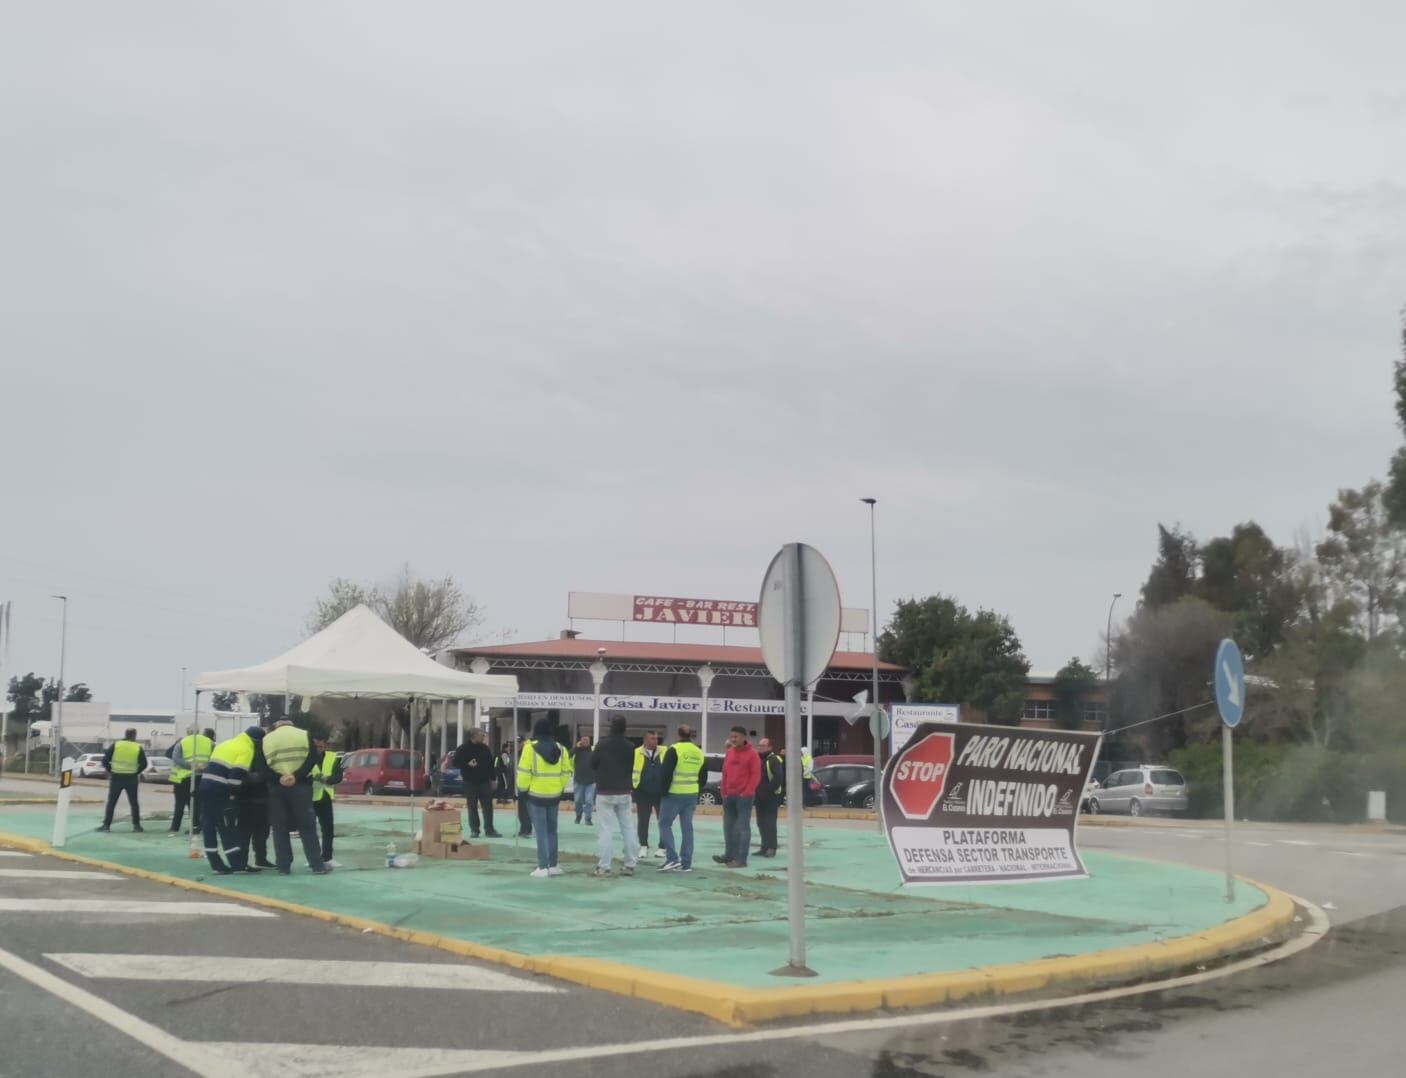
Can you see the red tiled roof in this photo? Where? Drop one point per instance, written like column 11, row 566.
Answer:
column 652, row 651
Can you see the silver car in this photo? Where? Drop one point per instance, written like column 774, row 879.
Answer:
column 1140, row 790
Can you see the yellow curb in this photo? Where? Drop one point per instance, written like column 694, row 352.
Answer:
column 739, row 1006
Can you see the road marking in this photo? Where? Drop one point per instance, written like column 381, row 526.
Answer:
column 102, row 905
column 311, row 1061
column 150, row 967
column 186, row 1054
column 1296, row 842
column 1351, row 853
column 15, row 853
column 1265, row 844
column 55, row 874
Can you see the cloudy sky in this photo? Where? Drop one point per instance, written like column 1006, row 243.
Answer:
column 622, row 296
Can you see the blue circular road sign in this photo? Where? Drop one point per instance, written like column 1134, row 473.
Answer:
column 1230, row 683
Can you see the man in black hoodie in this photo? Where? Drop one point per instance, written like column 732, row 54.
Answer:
column 474, row 759
column 771, row 792
column 613, row 762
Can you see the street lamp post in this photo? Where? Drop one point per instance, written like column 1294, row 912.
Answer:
column 58, row 703
column 598, row 671
column 1108, row 661
column 875, row 722
column 705, row 679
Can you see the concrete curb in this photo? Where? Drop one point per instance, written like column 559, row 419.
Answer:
column 739, row 1006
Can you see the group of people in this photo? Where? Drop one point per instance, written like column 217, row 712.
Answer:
column 260, row 782
column 614, row 775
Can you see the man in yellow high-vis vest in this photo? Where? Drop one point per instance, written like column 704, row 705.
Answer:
column 325, row 774
column 685, row 770
column 188, row 760
column 543, row 770
column 289, row 759
column 124, row 762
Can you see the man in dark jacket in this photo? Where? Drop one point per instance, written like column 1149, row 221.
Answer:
column 771, row 791
column 649, row 787
column 253, row 810
column 585, row 779
column 505, row 769
column 613, row 765
column 124, row 763
column 474, row 759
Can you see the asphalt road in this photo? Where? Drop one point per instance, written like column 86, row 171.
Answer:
column 221, row 1002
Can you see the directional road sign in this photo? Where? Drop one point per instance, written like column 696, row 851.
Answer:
column 1230, row 683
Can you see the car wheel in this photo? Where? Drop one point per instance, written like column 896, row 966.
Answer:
column 869, row 801
column 1093, row 806
column 1135, row 809
column 707, row 798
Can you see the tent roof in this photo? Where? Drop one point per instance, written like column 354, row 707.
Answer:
column 357, row 655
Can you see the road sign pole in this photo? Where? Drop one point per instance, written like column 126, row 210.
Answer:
column 1227, row 741
column 795, row 794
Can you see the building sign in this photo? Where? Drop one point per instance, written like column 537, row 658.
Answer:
column 688, row 705
column 694, row 611
column 667, row 610
column 905, row 718
column 986, row 804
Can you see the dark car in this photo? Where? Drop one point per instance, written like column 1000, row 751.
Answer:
column 847, row 785
column 711, row 793
column 446, row 779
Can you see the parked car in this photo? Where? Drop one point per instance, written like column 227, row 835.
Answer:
column 711, row 793
column 90, row 766
column 1090, row 789
column 381, row 771
column 1140, row 790
column 158, row 769
column 447, row 780
column 841, row 781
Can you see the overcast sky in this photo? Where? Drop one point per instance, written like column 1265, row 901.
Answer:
column 622, row 296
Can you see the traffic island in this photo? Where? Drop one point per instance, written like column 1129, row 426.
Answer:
column 706, row 941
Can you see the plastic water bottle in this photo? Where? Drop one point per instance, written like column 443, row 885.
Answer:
column 390, row 855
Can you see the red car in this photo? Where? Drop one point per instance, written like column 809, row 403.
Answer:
column 382, row 771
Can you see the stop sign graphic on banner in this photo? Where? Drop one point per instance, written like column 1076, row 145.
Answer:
column 921, row 774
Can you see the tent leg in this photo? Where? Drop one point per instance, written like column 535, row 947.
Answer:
column 190, row 806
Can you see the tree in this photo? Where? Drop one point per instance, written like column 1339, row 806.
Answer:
column 955, row 655
column 25, row 697
column 1174, row 571
column 1394, row 496
column 224, row 701
column 1250, row 577
column 431, row 614
column 1164, row 660
column 1072, row 685
column 78, row 693
column 1364, row 557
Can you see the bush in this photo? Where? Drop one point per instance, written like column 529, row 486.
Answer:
column 1294, row 782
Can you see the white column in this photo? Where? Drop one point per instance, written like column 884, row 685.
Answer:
column 705, row 678
column 461, row 721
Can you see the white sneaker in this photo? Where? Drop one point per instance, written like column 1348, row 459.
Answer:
column 332, row 864
column 540, row 873
column 661, row 853
column 554, row 871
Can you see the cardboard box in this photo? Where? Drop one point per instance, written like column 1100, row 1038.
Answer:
column 453, row 851
column 432, row 820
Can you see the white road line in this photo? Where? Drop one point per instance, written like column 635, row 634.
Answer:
column 55, row 874
column 238, row 969
column 1351, row 853
column 311, row 1061
column 1296, row 842
column 15, row 853
column 117, row 909
column 192, row 1056
column 1265, row 844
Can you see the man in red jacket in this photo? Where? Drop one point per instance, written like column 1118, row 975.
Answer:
column 742, row 771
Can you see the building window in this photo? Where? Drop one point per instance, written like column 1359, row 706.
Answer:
column 1038, row 710
column 1094, row 712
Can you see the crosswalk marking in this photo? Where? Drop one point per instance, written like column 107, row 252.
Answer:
column 114, row 908
column 55, row 874
column 15, row 853
column 238, row 969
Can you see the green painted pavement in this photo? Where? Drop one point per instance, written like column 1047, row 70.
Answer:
column 715, row 923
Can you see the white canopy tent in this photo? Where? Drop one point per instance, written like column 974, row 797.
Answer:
column 357, row 655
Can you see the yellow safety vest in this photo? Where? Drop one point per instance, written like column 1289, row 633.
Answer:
column 688, row 762
column 235, row 754
column 807, row 772
column 125, row 757
column 286, row 749
column 196, row 749
column 323, row 770
column 538, row 778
